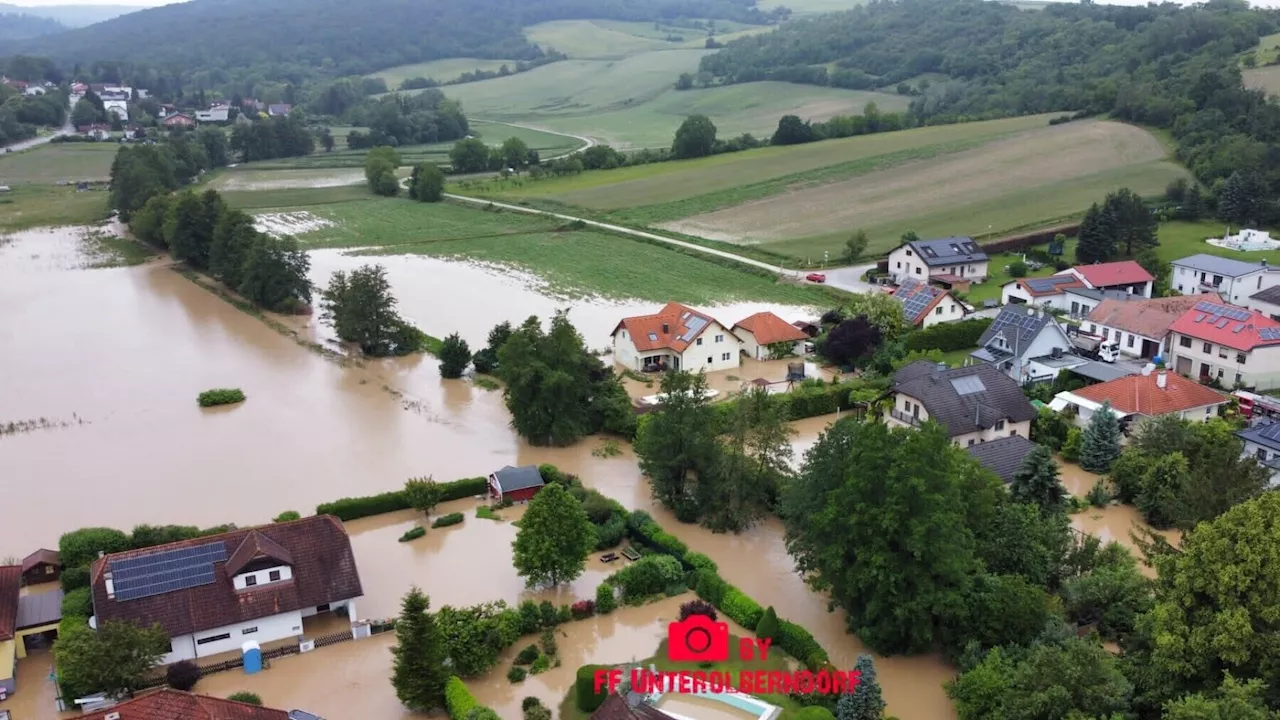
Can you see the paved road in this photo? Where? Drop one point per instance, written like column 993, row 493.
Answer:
column 66, row 129
column 849, row 278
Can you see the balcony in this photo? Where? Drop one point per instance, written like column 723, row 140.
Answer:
column 900, row 416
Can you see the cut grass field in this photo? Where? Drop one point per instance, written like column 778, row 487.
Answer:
column 570, row 263
column 57, row 162
column 30, row 206
column 441, row 71
column 614, row 39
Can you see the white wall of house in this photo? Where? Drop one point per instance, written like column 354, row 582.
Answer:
column 1011, row 293
column 624, row 351
column 947, row 310
column 1130, row 343
column 1261, row 453
column 119, row 108
column 715, row 349
column 1078, row 306
column 754, row 350
column 1001, row 429
column 1050, row 337
column 1259, row 368
column 904, row 263
column 257, row 578
column 908, row 412
column 1189, row 281
column 262, row 630
column 219, row 115
column 1266, row 308
column 1144, row 289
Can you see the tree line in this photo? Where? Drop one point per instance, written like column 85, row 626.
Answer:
column 22, row 115
column 400, row 119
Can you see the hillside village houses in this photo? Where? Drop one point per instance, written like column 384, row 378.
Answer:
column 925, row 305
column 681, row 338
column 1232, row 345
column 765, row 336
column 1266, row 302
column 215, row 593
column 217, row 112
column 1235, row 280
column 951, row 260
column 1262, row 443
column 975, row 404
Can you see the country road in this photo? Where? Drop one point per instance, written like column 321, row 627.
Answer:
column 66, row 129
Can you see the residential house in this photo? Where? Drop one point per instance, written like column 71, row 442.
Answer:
column 15, row 84
column 34, row 90
column 118, row 108
column 1234, row 280
column 1040, row 292
column 975, row 404
column 675, row 338
column 37, row 621
column 97, row 131
column 10, row 586
column 515, row 484
column 216, row 113
column 631, row 706
column 763, row 333
column 1266, row 302
column 41, row 566
column 279, row 110
column 810, row 328
column 1125, row 276
column 1062, row 291
column 179, row 120
column 1141, row 327
column 1137, row 396
column 1262, row 442
column 166, row 110
column 1237, row 347
column 212, row 594
column 79, row 88
column 953, row 259
column 170, row 704
column 251, row 105
column 924, row 305
column 1003, row 456
column 1027, row 345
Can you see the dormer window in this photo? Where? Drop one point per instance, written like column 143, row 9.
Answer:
column 259, row 561
column 250, row 580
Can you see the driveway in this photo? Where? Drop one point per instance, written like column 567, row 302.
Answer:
column 848, row 278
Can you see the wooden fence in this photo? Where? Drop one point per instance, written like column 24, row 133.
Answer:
column 272, row 654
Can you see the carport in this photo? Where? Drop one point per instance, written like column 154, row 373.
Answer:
column 38, row 613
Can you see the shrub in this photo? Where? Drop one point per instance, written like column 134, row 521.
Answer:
column 359, row 507
column 413, row 534
column 1099, row 495
column 649, row 575
column 287, row 515
column 548, row 642
column 537, row 712
column 458, row 700
column 698, row 607
column 652, row 534
column 583, row 609
column 447, row 520
column 530, row 619
column 698, row 561
column 246, row 697
column 605, row 600
column 768, row 625
column 220, row 396
column 948, row 337
column 815, row 712
column 74, row 578
column 564, row 614
column 551, row 474
column 78, row 602
column 529, row 703
column 799, row 644
column 541, row 665
column 182, row 675
column 1071, row 448
column 740, row 608
column 1017, row 269
column 516, row 674
column 483, row 713
column 79, row 548
column 585, row 695
column 548, row 614
column 527, row 654
column 711, row 587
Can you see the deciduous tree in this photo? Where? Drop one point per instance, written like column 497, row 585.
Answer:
column 418, row 672
column 361, row 309
column 678, row 444
column 423, row 494
column 274, row 275
column 855, row 246
column 427, row 183
column 554, row 539
column 695, row 137
column 469, row 155
column 880, row 310
column 115, row 659
column 851, row 341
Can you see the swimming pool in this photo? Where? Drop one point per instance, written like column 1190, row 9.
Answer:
column 716, row 706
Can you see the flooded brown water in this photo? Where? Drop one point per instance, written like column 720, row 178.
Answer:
column 1113, row 523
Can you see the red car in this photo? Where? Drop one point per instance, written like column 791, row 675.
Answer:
column 816, row 277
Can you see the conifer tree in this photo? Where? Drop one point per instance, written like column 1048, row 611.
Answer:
column 865, row 702
column 1037, row 483
column 419, row 673
column 1100, row 445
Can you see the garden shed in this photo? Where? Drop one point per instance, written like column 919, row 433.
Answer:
column 515, row 484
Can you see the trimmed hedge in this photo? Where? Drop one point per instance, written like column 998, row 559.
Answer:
column 1026, row 240
column 650, row 533
column 353, row 508
column 74, row 578
column 220, row 396
column 799, row 644
column 949, row 337
column 413, row 533
column 458, row 700
column 585, row 694
column 78, row 602
column 447, row 520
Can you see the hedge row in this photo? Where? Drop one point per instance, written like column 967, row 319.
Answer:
column 358, row 507
column 731, row 601
column 1026, row 240
column 949, row 337
column 587, row 697
column 458, row 700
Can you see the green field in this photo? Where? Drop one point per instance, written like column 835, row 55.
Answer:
column 573, row 263
column 615, row 39
column 441, row 71
column 28, row 206
column 58, row 162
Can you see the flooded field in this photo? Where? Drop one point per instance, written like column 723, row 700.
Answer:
column 1113, row 523
column 232, row 180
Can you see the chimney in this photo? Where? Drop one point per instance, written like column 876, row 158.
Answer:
column 1264, row 264
column 665, row 328
column 1162, row 379
column 101, row 553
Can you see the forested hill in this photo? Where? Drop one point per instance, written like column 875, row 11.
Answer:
column 214, row 42
column 16, row 26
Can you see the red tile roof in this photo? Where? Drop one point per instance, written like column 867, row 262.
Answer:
column 1203, row 325
column 1060, row 284
column 169, row 704
column 10, row 584
column 324, row 571
column 47, row 557
column 1124, row 272
column 1142, row 394
column 768, row 329
column 1151, row 318
column 667, row 329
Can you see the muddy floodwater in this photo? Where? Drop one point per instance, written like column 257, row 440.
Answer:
column 1113, row 523
column 113, row 359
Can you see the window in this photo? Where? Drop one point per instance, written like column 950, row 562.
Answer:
column 250, row 580
column 1240, row 358
column 971, row 442
column 1106, row 333
column 938, row 311
column 1092, row 328
column 999, row 425
column 917, row 271
column 1219, row 373
column 719, row 338
column 1217, row 280
column 725, row 356
column 699, row 342
column 1222, row 351
column 1259, row 282
column 1238, row 380
column 1013, row 432
column 899, row 264
column 1184, row 341
column 1130, row 343
column 1208, row 348
column 273, row 576
column 710, row 360
column 249, row 631
column 322, row 608
column 1262, row 455
column 213, row 638
column 908, row 252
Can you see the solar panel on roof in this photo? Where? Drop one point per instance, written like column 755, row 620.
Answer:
column 695, row 326
column 1222, row 310
column 166, row 571
column 1269, row 334
column 968, row 385
column 1237, row 328
column 1199, row 317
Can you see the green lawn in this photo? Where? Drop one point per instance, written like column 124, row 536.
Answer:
column 614, row 39
column 294, row 197
column 441, row 71
column 28, row 206
column 55, row 162
column 1180, row 239
column 990, row 290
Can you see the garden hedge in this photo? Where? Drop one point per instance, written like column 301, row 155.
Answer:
column 78, row 602
column 585, row 694
column 458, row 700
column 447, row 520
column 949, row 337
column 353, row 508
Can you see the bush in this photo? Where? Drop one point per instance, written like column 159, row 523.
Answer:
column 78, row 603
column 287, row 516
column 801, row 645
column 698, row 561
column 359, row 507
column 815, row 713
column 698, row 607
column 1017, row 269
column 79, row 548
column 948, row 337
column 585, row 695
column 551, row 474
column 74, row 578
column 413, row 534
column 564, row 614
column 652, row 534
column 182, row 675
column 541, row 665
column 605, row 600
column 246, row 697
column 548, row 642
column 527, row 654
column 221, row 396
column 447, row 520
column 1099, row 495
column 530, row 619
column 711, row 587
column 740, row 608
column 768, row 625
column 1071, row 448
column 548, row 614
column 583, row 609
column 649, row 575
column 458, row 700
column 516, row 674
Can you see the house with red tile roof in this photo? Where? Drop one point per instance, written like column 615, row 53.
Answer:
column 1140, row 327
column 212, row 594
column 170, row 704
column 1125, row 275
column 675, row 338
column 181, row 120
column 1078, row 290
column 926, row 305
column 1234, row 345
column 1138, row 396
column 765, row 336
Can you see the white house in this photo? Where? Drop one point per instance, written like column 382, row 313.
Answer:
column 1137, row 396
column 119, row 108
column 675, row 338
column 34, row 90
column 1027, row 345
column 1234, row 280
column 1078, row 289
column 975, row 404
column 1125, row 275
column 925, row 305
column 1266, row 302
column 1140, row 326
column 1230, row 344
column 1262, row 442
column 763, row 331
column 211, row 594
column 953, row 258
column 217, row 113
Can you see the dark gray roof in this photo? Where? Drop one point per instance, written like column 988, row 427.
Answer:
column 1102, row 372
column 948, row 251
column 1004, row 456
column 965, row 399
column 518, row 478
column 1019, row 327
column 39, row 609
column 1217, row 265
column 1267, row 435
column 1270, row 295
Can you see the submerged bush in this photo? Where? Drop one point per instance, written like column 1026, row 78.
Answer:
column 182, row 675
column 447, row 520
column 246, row 697
column 413, row 534
column 516, row 674
column 220, row 396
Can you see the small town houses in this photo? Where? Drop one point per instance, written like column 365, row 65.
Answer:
column 681, row 338
column 974, row 404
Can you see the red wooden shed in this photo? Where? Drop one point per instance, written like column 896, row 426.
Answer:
column 516, row 484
